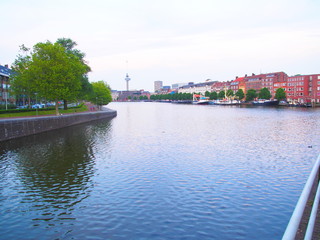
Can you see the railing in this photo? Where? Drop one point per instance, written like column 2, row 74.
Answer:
column 296, row 217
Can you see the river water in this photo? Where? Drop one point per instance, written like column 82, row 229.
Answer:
column 160, row 171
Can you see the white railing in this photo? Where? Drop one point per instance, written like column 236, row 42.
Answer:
column 295, row 220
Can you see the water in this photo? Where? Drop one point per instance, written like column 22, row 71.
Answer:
column 160, row 171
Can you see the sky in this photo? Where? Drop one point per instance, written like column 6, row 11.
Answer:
column 174, row 41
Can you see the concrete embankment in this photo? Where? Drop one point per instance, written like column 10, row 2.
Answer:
column 20, row 127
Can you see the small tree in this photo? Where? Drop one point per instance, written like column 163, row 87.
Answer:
column 240, row 94
column 101, row 93
column 229, row 93
column 251, row 94
column 221, row 94
column 213, row 96
column 280, row 94
column 264, row 93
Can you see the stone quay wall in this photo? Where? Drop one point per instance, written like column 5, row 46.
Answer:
column 20, row 127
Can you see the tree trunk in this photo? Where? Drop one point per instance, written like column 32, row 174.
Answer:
column 57, row 108
column 65, row 104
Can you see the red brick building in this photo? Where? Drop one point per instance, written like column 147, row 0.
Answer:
column 238, row 83
column 267, row 80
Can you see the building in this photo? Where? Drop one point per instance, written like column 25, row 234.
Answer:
column 303, row 88
column 238, row 83
column 157, row 86
column 5, row 96
column 266, row 80
column 176, row 86
column 314, row 88
column 122, row 96
column 221, row 86
column 197, row 87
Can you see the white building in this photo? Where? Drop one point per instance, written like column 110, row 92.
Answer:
column 197, row 87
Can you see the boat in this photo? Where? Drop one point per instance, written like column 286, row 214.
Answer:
column 264, row 102
column 182, row 102
column 283, row 103
column 227, row 102
column 298, row 104
column 200, row 99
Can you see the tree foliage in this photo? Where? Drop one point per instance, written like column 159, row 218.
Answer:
column 213, row 96
column 229, row 93
column 50, row 71
column 174, row 96
column 20, row 79
column 240, row 94
column 222, row 94
column 264, row 93
column 101, row 93
column 280, row 94
column 69, row 46
column 251, row 94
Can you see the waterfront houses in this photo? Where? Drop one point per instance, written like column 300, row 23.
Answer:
column 298, row 88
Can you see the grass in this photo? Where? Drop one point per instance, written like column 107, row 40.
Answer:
column 83, row 108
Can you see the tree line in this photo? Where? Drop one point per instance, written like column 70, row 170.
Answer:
column 251, row 94
column 56, row 71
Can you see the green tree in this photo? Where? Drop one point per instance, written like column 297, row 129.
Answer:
column 21, row 81
column 52, row 72
column 221, row 94
column 207, row 94
column 264, row 93
column 251, row 94
column 101, row 93
column 280, row 94
column 229, row 93
column 213, row 96
column 240, row 94
column 86, row 87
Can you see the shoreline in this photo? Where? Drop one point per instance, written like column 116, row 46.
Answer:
column 16, row 127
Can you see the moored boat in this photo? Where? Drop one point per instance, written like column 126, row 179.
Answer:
column 264, row 102
column 199, row 99
column 227, row 102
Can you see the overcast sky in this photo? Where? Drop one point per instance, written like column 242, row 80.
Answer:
column 174, row 41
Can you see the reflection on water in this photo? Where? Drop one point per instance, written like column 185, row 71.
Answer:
column 43, row 177
column 160, row 171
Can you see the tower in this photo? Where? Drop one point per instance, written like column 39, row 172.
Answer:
column 127, row 80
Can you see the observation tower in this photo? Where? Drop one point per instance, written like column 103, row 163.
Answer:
column 127, row 80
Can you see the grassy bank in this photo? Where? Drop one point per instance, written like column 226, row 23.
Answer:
column 82, row 108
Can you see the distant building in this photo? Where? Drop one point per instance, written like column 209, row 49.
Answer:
column 177, row 85
column 220, row 86
column 123, row 96
column 197, row 87
column 157, row 86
